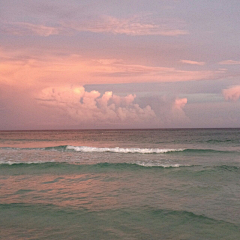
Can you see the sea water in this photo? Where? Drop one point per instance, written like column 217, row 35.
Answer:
column 120, row 184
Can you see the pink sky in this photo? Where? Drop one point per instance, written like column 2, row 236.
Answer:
column 111, row 64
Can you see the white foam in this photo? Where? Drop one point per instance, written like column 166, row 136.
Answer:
column 12, row 162
column 159, row 165
column 122, row 150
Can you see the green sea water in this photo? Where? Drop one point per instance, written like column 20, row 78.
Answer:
column 120, row 184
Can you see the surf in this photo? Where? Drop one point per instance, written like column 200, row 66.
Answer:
column 136, row 150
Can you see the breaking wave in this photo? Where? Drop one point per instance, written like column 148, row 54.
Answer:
column 87, row 149
column 121, row 150
column 96, row 165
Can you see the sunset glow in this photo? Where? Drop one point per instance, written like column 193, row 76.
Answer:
column 128, row 64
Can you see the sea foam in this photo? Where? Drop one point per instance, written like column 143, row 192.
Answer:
column 149, row 164
column 121, row 150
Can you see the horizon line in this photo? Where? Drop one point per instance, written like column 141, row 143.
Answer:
column 120, row 129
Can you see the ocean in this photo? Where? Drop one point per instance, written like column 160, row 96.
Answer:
column 120, row 184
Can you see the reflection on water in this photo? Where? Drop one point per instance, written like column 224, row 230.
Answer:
column 59, row 193
column 98, row 191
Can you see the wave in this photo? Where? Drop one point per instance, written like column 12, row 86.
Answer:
column 96, row 165
column 222, row 141
column 219, row 170
column 185, row 214
column 147, row 212
column 228, row 168
column 138, row 150
column 87, row 149
column 107, row 166
column 197, row 150
column 161, row 165
column 125, row 222
column 122, row 150
column 27, row 163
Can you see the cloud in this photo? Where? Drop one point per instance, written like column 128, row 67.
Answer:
column 127, row 72
column 193, row 62
column 90, row 108
column 94, row 108
column 25, row 69
column 179, row 103
column 178, row 114
column 232, row 93
column 24, row 28
column 168, row 109
column 134, row 26
column 66, row 107
column 229, row 62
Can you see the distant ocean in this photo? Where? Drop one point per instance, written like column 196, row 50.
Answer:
column 120, row 184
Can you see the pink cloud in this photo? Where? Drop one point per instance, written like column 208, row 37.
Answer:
column 232, row 93
column 179, row 103
column 24, row 69
column 65, row 106
column 91, row 107
column 178, row 114
column 24, row 28
column 193, row 62
column 230, row 62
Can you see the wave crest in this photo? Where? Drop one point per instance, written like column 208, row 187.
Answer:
column 122, row 150
column 87, row 149
column 102, row 165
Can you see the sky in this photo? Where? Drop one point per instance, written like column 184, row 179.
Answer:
column 106, row 64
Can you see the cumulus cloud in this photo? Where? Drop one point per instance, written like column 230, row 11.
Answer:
column 179, row 103
column 232, row 93
column 178, row 114
column 168, row 109
column 193, row 62
column 94, row 108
